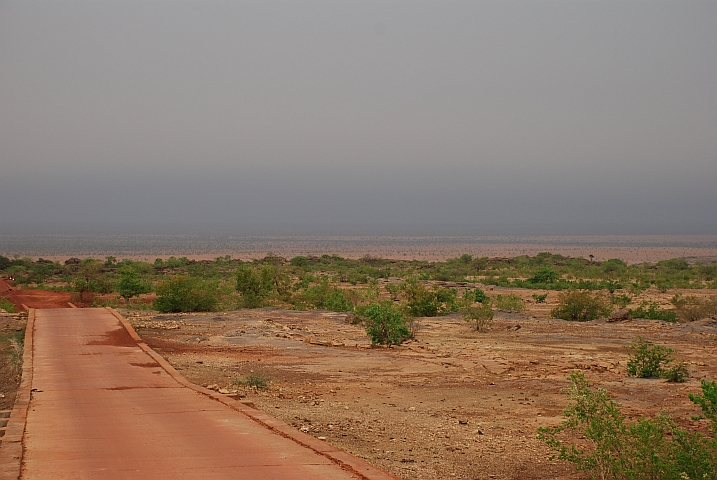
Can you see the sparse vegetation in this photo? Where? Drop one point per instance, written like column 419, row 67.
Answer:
column 186, row 294
column 509, row 303
column 614, row 448
column 479, row 316
column 581, row 306
column 6, row 305
column 652, row 311
column 692, row 308
column 540, row 298
column 648, row 360
column 255, row 380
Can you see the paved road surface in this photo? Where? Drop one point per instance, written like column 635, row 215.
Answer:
column 102, row 408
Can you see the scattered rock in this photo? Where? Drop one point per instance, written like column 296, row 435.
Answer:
column 463, row 421
column 514, row 328
column 620, row 316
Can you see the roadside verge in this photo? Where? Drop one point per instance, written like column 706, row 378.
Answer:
column 11, row 449
column 345, row 460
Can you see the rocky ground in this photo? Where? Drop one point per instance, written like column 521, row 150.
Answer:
column 454, row 403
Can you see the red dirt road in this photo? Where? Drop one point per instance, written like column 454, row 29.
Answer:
column 34, row 298
column 105, row 407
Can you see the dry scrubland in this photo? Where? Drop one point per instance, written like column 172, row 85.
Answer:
column 448, row 401
column 453, row 402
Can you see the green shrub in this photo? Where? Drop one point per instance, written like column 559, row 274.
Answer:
column 476, row 295
column 323, row 295
column 678, row 373
column 510, row 303
column 621, row 301
column 253, row 286
column 385, row 325
column 130, row 284
column 648, row 360
column 420, row 301
column 540, row 298
column 644, row 449
column 255, row 380
column 7, row 305
column 652, row 311
column 581, row 306
column 480, row 316
column 707, row 402
column 299, row 261
column 186, row 294
column 545, row 275
column 338, row 301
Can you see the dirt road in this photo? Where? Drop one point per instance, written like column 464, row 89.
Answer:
column 102, row 407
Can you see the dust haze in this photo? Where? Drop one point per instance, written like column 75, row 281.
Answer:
column 481, row 118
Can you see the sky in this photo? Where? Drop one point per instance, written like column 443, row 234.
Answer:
column 375, row 117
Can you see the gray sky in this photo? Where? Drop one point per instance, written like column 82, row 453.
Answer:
column 361, row 116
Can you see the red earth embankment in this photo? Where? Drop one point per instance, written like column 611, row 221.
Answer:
column 34, row 298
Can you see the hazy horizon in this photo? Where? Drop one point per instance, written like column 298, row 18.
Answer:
column 358, row 117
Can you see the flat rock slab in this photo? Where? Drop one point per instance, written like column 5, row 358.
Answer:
column 103, row 408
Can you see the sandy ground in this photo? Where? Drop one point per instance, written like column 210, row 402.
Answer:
column 454, row 403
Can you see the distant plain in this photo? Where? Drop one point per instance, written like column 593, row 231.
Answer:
column 630, row 248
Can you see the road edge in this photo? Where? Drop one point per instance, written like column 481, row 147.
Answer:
column 12, row 448
column 345, row 460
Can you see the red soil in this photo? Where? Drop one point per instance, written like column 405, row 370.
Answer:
column 34, row 298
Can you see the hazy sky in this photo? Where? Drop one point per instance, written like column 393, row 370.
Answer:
column 570, row 116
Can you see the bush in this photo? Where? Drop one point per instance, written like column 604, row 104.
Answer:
column 323, row 295
column 253, row 286
column 510, row 303
column 652, row 311
column 476, row 295
column 420, row 301
column 256, row 380
column 480, row 316
column 581, row 306
column 540, row 298
column 691, row 308
column 678, row 373
column 7, row 305
column 614, row 449
column 186, row 294
column 621, row 301
column 648, row 360
column 385, row 325
column 707, row 402
column 545, row 275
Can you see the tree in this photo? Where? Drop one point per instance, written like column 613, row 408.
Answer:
column 131, row 285
column 254, row 287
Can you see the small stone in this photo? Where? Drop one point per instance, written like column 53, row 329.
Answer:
column 463, row 421
column 411, row 409
column 321, row 438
